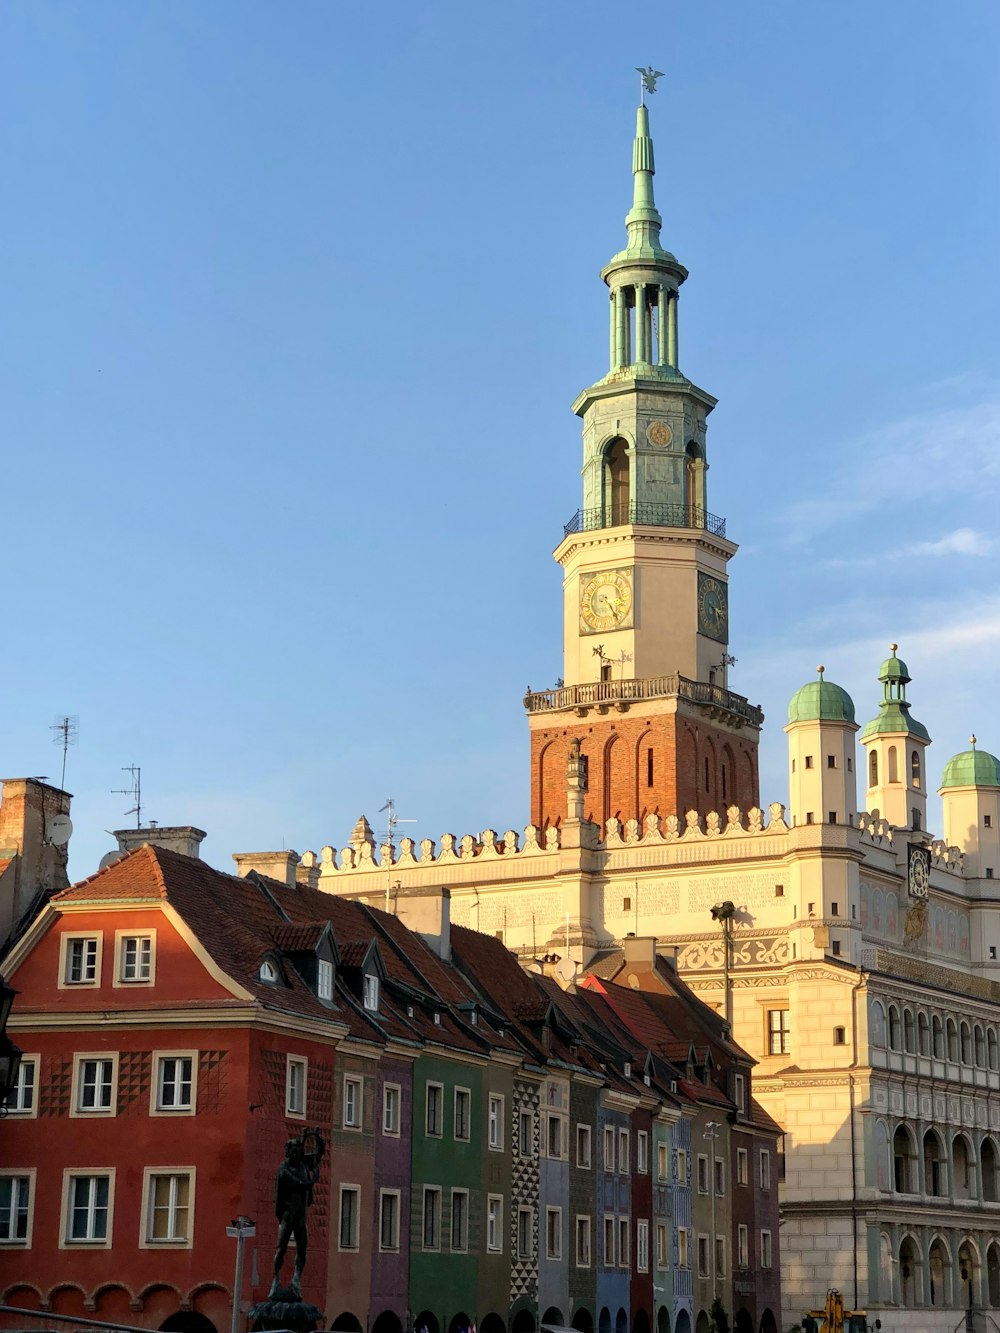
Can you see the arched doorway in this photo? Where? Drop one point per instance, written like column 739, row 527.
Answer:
column 426, row 1322
column 187, row 1321
column 993, row 1274
column 616, row 487
column 491, row 1323
column 744, row 1324
column 346, row 1322
column 583, row 1320
column 640, row 1322
column 683, row 1322
column 701, row 1324
column 553, row 1316
column 910, row 1273
column 939, row 1271
column 988, row 1174
column 604, row 1320
column 459, row 1323
column 968, row 1275
column 904, row 1161
column 523, row 1322
column 621, row 1321
column 767, row 1322
column 388, row 1322
column 662, row 1320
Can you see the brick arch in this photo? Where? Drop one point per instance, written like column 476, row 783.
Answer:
column 642, row 787
column 204, row 1287
column 616, row 780
column 14, row 1288
column 728, row 781
column 114, row 1301
column 687, row 785
column 64, row 1289
column 708, row 775
column 543, row 762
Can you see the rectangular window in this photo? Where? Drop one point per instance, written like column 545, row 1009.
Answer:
column 740, row 1093
column 94, row 1085
column 742, row 1166
column 370, row 992
column 743, row 1244
column 175, row 1083
column 15, row 1209
column 391, row 1097
column 435, row 1110
column 662, row 1162
column 135, row 958
column 623, row 1151
column 642, row 1152
column 553, row 1233
column 295, row 1086
column 703, row 1256
column 662, row 1245
column 22, row 1098
column 809, row 761
column 720, row 1256
column 495, row 1122
column 324, row 979
column 683, row 1254
column 583, row 1146
column 81, row 960
column 624, row 1254
column 609, row 1148
column 525, row 1233
column 459, row 1220
column 554, row 1137
column 388, row 1220
column 463, row 1110
column 682, row 1166
column 831, row 761
column 350, row 1206
column 432, row 1217
column 777, row 1032
column 702, row 1174
column 583, row 1242
column 720, row 1176
column 88, row 1208
column 526, row 1133
column 609, row 1242
column 494, row 1222
column 765, row 1249
column 642, row 1245
column 765, row 1169
column 168, row 1208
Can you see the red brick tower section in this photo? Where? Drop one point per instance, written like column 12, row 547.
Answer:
column 664, row 756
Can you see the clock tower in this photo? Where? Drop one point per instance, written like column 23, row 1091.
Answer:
column 645, row 583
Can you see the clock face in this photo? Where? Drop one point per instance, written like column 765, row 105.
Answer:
column 918, row 872
column 713, row 608
column 606, row 601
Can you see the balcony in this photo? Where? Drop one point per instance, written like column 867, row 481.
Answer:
column 619, row 694
column 646, row 515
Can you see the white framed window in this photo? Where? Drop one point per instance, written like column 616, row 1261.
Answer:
column 682, row 1166
column 370, row 992
column 392, row 1097
column 642, row 1152
column 434, row 1121
column 526, row 1134
column 17, row 1206
column 742, row 1166
column 553, row 1233
column 80, row 959
column 609, row 1242
column 88, row 1207
column 609, row 1148
column 720, row 1176
column 354, row 1091
column 662, row 1245
column 95, row 1078
column 583, row 1148
column 23, row 1099
column 174, row 1089
column 702, row 1174
column 554, row 1137
column 268, row 972
column 525, row 1233
column 583, row 1230
column 324, row 979
column 296, row 1076
column 740, row 1093
column 642, row 1245
column 388, row 1220
column 662, row 1162
column 463, row 1114
column 703, row 1256
column 743, row 1245
column 765, row 1249
column 494, row 1221
column 683, row 1248
column 765, row 1169
column 350, row 1217
column 432, row 1217
column 135, row 957
column 495, row 1122
column 459, row 1221
column 624, row 1254
column 623, row 1151
column 720, row 1256
column 167, row 1207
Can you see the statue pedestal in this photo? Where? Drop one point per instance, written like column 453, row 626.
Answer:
column 285, row 1309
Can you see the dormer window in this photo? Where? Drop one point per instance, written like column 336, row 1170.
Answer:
column 474, row 1018
column 268, row 972
column 370, row 992
column 628, row 1069
column 324, row 979
column 437, row 1017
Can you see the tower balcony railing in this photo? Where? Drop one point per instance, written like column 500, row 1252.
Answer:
column 650, row 515
column 612, row 693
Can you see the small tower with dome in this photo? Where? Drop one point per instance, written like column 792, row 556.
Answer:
column 822, row 784
column 970, row 798
column 895, row 763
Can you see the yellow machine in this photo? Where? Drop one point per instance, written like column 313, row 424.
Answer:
column 835, row 1319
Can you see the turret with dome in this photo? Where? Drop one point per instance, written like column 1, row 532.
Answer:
column 822, row 784
column 970, row 800
column 895, row 744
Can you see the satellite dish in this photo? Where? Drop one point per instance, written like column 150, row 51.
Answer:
column 109, row 859
column 59, row 829
column 566, row 969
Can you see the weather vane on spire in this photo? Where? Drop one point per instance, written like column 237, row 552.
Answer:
column 647, row 81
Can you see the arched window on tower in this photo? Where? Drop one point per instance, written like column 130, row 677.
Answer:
column 616, row 483
column 873, row 769
column 893, row 764
column 915, row 768
column 694, row 485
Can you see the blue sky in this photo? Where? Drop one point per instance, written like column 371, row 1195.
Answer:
column 296, row 300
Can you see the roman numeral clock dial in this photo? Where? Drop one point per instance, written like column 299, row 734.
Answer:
column 713, row 608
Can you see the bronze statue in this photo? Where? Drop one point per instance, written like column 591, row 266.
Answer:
column 293, row 1193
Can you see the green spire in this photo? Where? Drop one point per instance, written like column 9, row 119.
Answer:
column 894, row 710
column 643, row 219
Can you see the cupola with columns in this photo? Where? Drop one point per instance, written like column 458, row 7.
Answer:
column 895, row 763
column 646, row 657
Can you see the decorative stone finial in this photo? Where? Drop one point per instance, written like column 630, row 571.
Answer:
column 820, row 669
column 972, row 740
column 893, row 647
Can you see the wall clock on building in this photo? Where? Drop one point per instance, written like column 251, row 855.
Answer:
column 713, row 608
column 606, row 601
column 918, row 872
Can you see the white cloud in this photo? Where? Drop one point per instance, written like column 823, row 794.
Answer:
column 963, row 541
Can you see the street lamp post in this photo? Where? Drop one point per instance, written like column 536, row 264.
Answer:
column 711, row 1133
column 242, row 1229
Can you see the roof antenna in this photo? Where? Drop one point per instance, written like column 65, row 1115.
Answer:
column 135, row 791
column 66, row 729
column 391, row 820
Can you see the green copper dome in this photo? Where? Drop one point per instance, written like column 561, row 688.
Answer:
column 972, row 768
column 894, row 711
column 821, row 701
column 894, row 668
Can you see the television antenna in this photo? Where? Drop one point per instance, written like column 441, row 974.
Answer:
column 135, row 791
column 65, row 732
column 391, row 822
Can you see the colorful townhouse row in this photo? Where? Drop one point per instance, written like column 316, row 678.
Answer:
column 506, row 1147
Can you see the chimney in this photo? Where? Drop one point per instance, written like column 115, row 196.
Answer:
column 427, row 912
column 182, row 838
column 275, row 865
column 640, row 951
column 307, row 871
column 34, row 833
